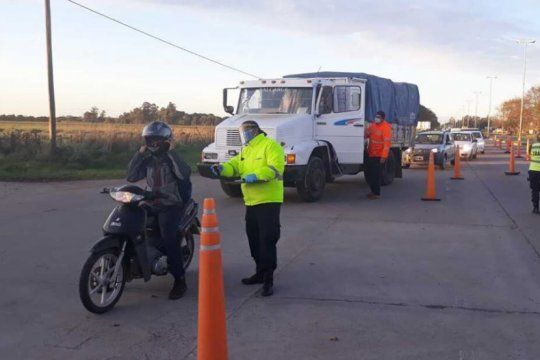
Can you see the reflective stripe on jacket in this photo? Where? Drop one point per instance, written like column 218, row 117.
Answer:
column 535, row 157
column 266, row 159
column 380, row 139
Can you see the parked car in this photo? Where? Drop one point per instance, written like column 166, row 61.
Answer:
column 438, row 142
column 468, row 145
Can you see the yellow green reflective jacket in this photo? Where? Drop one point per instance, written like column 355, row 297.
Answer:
column 266, row 159
column 535, row 157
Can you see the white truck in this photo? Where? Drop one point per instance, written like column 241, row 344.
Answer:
column 319, row 119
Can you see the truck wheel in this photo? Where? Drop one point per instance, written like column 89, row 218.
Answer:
column 310, row 187
column 232, row 190
column 388, row 170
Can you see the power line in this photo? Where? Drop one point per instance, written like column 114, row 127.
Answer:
column 162, row 40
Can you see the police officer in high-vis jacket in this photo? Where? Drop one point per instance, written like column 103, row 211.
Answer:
column 260, row 164
column 534, row 173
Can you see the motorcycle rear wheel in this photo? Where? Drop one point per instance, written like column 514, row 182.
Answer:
column 98, row 291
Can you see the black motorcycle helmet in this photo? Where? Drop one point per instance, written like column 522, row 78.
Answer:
column 157, row 136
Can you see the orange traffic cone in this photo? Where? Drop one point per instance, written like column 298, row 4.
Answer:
column 430, row 187
column 212, row 332
column 457, row 165
column 527, row 150
column 512, row 164
column 508, row 145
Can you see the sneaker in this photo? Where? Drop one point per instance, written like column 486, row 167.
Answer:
column 256, row 278
column 373, row 197
column 179, row 289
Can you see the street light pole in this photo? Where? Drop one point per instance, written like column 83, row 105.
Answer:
column 491, row 78
column 468, row 111
column 476, row 94
column 52, row 105
column 525, row 43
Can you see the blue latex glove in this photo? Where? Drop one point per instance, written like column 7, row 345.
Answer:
column 216, row 169
column 250, row 179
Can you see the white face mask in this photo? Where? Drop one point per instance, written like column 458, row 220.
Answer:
column 378, row 120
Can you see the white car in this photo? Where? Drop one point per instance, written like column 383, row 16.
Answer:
column 480, row 140
column 468, row 145
column 477, row 134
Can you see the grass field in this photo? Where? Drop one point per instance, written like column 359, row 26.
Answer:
column 86, row 150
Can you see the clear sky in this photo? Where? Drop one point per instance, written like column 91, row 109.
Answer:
column 446, row 47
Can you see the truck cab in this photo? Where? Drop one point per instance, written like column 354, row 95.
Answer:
column 320, row 123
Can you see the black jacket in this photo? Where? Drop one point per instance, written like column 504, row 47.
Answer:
column 167, row 173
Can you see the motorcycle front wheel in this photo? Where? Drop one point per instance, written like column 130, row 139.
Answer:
column 99, row 289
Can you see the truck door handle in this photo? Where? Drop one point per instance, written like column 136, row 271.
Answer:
column 358, row 125
column 321, row 123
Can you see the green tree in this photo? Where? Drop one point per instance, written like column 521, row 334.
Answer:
column 426, row 114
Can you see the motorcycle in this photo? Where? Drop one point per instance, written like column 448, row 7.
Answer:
column 131, row 248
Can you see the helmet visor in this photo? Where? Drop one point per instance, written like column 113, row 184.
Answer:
column 248, row 133
column 154, row 143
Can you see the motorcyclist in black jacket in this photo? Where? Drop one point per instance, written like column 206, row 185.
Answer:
column 168, row 174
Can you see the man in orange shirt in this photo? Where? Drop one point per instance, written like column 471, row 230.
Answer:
column 379, row 134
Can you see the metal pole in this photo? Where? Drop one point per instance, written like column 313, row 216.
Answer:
column 52, row 106
column 525, row 43
column 490, row 96
column 468, row 112
column 476, row 93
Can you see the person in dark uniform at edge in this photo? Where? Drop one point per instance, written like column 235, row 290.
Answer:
column 260, row 164
column 534, row 173
column 168, row 174
column 379, row 134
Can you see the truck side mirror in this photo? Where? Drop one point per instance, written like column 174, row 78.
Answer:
column 228, row 109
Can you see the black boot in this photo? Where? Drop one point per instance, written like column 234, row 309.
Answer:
column 179, row 288
column 536, row 210
column 268, row 284
column 256, row 278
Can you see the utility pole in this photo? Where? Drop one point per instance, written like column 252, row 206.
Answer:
column 525, row 43
column 52, row 106
column 476, row 94
column 491, row 78
column 468, row 111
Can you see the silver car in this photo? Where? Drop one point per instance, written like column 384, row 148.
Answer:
column 439, row 143
column 468, row 145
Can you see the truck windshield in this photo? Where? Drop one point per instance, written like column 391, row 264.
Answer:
column 428, row 139
column 275, row 101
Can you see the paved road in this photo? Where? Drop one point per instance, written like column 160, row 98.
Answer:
column 392, row 279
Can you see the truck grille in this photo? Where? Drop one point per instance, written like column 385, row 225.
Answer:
column 233, row 138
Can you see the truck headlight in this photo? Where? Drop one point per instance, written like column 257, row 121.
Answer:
column 210, row 156
column 435, row 150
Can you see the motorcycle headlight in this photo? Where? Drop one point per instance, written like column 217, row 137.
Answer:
column 408, row 151
column 125, row 196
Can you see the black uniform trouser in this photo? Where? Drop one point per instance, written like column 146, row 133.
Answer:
column 373, row 174
column 169, row 219
column 534, row 182
column 263, row 231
